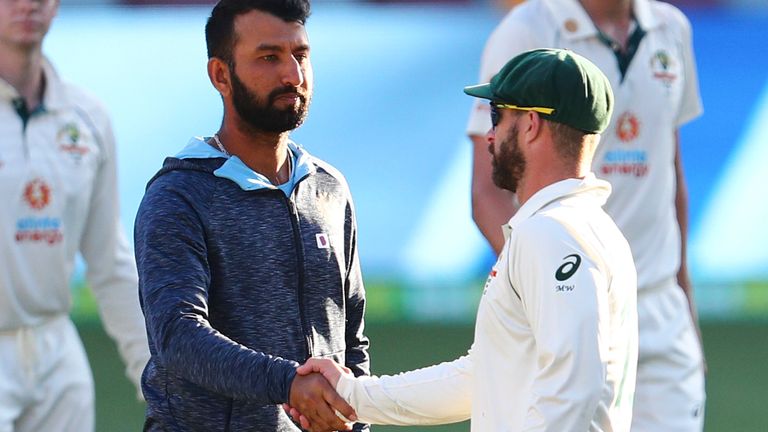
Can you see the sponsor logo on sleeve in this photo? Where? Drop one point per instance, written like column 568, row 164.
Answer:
column 566, row 270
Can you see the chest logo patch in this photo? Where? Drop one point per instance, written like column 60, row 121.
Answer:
column 627, row 127
column 663, row 66
column 623, row 161
column 568, row 269
column 38, row 229
column 322, row 241
column 37, row 194
column 69, row 140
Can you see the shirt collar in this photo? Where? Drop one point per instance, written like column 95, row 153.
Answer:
column 590, row 187
column 234, row 169
column 574, row 22
column 54, row 95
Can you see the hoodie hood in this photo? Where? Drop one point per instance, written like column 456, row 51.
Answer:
column 198, row 155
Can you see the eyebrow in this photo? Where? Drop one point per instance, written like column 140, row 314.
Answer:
column 279, row 48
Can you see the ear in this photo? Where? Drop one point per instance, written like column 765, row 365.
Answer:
column 533, row 126
column 218, row 73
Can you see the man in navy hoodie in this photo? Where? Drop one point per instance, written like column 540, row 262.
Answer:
column 247, row 246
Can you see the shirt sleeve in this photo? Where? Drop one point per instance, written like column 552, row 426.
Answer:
column 174, row 281
column 510, row 38
column 111, row 269
column 433, row 395
column 565, row 300
column 690, row 104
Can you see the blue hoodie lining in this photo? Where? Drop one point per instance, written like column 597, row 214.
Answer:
column 235, row 170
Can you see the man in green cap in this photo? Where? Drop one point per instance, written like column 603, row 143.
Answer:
column 556, row 335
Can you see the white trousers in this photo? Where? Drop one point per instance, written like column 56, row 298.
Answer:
column 45, row 379
column 670, row 392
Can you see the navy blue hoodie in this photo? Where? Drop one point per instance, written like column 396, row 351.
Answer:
column 239, row 283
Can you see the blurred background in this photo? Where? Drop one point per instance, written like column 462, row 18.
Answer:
column 389, row 112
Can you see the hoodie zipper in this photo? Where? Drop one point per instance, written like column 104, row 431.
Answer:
column 300, row 261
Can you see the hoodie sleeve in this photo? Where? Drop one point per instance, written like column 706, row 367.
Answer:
column 356, row 343
column 356, row 354
column 174, row 282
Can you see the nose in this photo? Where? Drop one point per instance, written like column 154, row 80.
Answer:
column 490, row 136
column 294, row 73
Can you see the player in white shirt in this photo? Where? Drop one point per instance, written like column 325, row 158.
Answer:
column 645, row 49
column 58, row 183
column 555, row 345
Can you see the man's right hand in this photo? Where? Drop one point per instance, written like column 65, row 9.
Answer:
column 317, row 401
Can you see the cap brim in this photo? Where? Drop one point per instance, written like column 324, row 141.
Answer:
column 480, row 90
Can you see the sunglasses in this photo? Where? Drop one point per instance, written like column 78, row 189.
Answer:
column 495, row 116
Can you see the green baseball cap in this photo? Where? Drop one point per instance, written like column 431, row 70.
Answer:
column 559, row 84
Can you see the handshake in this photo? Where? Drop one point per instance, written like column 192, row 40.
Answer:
column 313, row 400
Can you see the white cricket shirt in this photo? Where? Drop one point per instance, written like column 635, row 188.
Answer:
column 58, row 183
column 555, row 344
column 657, row 95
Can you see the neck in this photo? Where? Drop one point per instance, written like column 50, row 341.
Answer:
column 612, row 17
column 608, row 10
column 266, row 153
column 551, row 172
column 23, row 69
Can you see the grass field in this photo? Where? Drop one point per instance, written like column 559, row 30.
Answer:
column 737, row 387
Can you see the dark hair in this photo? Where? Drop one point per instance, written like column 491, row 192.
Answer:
column 569, row 141
column 220, row 28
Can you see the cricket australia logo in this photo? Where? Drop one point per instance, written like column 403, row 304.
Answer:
column 69, row 139
column 662, row 67
column 566, row 270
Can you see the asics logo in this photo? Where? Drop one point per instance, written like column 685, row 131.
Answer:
column 565, row 271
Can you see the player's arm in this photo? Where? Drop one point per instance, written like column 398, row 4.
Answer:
column 690, row 108
column 111, row 269
column 433, row 395
column 174, row 281
column 356, row 353
column 569, row 319
column 681, row 208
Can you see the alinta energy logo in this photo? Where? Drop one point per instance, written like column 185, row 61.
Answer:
column 69, row 139
column 34, row 229
column 626, row 161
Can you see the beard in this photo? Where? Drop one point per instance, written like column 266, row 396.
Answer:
column 261, row 114
column 509, row 164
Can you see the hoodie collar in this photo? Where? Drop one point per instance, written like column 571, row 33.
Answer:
column 574, row 22
column 234, row 169
column 590, row 187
